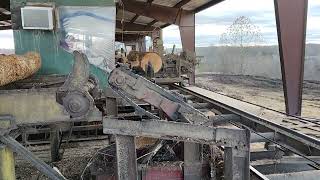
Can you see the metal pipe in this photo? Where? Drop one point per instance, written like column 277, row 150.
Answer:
column 27, row 155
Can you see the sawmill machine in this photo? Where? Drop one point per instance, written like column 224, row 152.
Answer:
column 76, row 73
column 157, row 65
column 49, row 33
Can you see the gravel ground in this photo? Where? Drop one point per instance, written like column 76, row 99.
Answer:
column 261, row 91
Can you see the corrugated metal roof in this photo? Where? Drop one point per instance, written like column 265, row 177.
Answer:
column 169, row 3
column 159, row 24
column 194, row 4
column 143, row 20
column 127, row 16
column 190, row 5
column 123, row 14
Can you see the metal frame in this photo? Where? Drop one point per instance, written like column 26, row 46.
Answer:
column 258, row 121
column 235, row 141
column 75, row 104
column 291, row 18
column 187, row 34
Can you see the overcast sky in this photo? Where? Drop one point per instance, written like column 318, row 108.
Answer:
column 212, row 22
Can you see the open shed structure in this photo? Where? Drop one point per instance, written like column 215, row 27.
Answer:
column 189, row 115
column 136, row 19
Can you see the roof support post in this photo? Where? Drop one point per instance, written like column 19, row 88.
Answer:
column 291, row 17
column 187, row 33
column 126, row 158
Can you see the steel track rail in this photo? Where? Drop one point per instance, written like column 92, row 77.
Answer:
column 294, row 140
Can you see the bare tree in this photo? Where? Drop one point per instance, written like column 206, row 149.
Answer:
column 241, row 33
column 238, row 37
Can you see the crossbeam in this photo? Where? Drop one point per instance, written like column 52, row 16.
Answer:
column 235, row 141
column 128, row 26
column 155, row 11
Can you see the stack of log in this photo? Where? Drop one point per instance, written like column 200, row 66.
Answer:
column 17, row 67
column 145, row 59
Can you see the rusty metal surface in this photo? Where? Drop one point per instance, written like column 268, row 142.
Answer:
column 187, row 33
column 126, row 158
column 296, row 133
column 237, row 141
column 154, row 173
column 291, row 17
column 125, row 82
column 158, row 12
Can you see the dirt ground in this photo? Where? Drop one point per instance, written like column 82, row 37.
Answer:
column 261, row 91
column 73, row 164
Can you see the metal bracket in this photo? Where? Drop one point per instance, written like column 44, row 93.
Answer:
column 122, row 80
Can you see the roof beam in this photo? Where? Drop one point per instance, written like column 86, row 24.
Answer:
column 209, row 4
column 137, row 16
column 134, row 18
column 128, row 26
column 5, row 4
column 181, row 3
column 5, row 27
column 152, row 23
column 157, row 12
column 128, row 37
column 4, row 17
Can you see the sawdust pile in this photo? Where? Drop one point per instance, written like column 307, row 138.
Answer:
column 16, row 67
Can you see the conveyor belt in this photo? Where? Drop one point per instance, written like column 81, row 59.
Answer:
column 289, row 134
column 303, row 126
column 290, row 129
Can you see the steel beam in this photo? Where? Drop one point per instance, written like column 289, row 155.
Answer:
column 207, row 5
column 187, row 33
column 310, row 175
column 181, row 3
column 291, row 17
column 4, row 17
column 128, row 26
column 161, row 13
column 126, row 158
column 192, row 163
column 55, row 140
column 235, row 141
column 251, row 116
column 5, row 4
column 134, row 18
column 128, row 37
